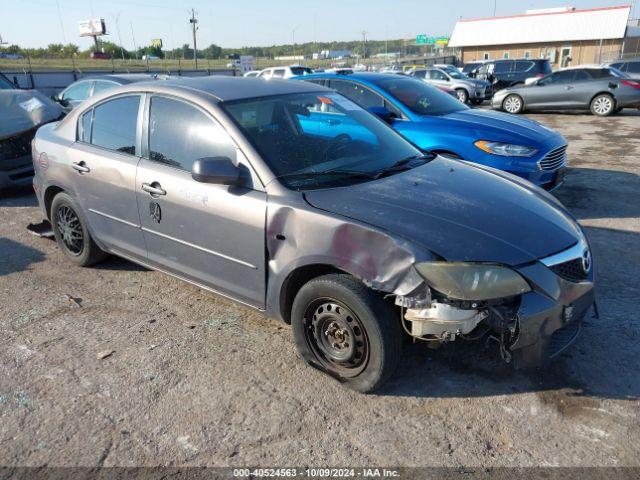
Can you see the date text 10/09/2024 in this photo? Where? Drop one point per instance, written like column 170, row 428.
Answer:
column 316, row 472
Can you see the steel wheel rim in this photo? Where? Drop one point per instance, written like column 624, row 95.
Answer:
column 337, row 337
column 70, row 230
column 602, row 105
column 512, row 105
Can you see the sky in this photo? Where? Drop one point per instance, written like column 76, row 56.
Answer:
column 232, row 24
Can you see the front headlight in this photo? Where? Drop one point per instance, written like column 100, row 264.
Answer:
column 505, row 149
column 472, row 281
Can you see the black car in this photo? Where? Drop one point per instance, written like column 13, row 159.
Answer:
column 631, row 67
column 508, row 73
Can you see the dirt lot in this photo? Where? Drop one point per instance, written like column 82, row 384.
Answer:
column 196, row 380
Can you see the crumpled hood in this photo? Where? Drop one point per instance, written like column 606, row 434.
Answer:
column 22, row 110
column 458, row 211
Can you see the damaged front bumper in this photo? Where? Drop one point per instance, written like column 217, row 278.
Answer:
column 530, row 329
column 16, row 172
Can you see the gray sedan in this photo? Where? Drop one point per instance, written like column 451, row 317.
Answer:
column 603, row 91
column 289, row 198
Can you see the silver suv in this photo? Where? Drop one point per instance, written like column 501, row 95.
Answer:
column 468, row 89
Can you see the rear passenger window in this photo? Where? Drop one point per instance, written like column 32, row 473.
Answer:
column 180, row 133
column 502, row 67
column 633, row 67
column 84, row 127
column 357, row 94
column 581, row 75
column 278, row 73
column 523, row 66
column 114, row 124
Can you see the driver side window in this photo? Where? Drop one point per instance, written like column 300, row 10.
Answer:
column 437, row 75
column 79, row 91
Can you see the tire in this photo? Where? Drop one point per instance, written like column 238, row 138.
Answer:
column 71, row 233
column 463, row 95
column 476, row 101
column 347, row 330
column 602, row 105
column 513, row 104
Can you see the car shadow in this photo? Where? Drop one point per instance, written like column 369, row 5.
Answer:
column 597, row 193
column 17, row 257
column 18, row 197
column 119, row 264
column 602, row 363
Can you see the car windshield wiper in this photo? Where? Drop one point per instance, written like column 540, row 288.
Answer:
column 349, row 173
column 402, row 164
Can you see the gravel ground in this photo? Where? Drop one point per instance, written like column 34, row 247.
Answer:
column 188, row 378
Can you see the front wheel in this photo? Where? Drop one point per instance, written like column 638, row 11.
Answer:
column 346, row 330
column 71, row 233
column 603, row 105
column 463, row 96
column 512, row 104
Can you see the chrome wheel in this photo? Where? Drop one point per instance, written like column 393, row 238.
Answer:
column 337, row 337
column 602, row 105
column 512, row 104
column 70, row 230
column 462, row 95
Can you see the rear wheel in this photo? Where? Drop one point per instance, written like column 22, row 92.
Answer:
column 603, row 105
column 512, row 104
column 463, row 95
column 71, row 233
column 346, row 330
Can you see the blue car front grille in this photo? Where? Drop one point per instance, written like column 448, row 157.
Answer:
column 555, row 159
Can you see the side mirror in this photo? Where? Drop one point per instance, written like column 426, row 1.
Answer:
column 218, row 170
column 382, row 113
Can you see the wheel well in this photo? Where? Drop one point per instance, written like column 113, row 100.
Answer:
column 294, row 282
column 605, row 93
column 513, row 95
column 49, row 194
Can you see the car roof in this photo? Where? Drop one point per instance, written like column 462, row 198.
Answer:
column 226, row 88
column 362, row 76
column 124, row 78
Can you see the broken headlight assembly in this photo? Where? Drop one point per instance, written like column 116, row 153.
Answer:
column 472, row 281
column 505, row 149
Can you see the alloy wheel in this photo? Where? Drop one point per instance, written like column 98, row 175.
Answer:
column 337, row 337
column 70, row 230
column 602, row 105
column 512, row 104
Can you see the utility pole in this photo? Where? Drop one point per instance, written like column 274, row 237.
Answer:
column 364, row 44
column 135, row 47
column 494, row 7
column 193, row 21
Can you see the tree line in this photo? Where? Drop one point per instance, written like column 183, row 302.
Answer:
column 213, row 51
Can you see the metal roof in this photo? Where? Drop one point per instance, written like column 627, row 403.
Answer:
column 569, row 25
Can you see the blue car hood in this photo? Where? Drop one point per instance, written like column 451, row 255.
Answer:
column 458, row 211
column 499, row 126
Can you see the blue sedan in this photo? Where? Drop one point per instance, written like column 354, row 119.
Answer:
column 435, row 121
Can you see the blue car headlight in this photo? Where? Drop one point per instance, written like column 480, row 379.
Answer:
column 472, row 281
column 505, row 149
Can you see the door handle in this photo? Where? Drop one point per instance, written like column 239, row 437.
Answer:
column 80, row 167
column 154, row 189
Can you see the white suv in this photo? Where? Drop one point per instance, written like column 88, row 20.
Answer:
column 284, row 72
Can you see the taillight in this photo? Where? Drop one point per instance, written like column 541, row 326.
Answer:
column 540, row 75
column 631, row 83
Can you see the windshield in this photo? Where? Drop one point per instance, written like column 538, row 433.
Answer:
column 315, row 140
column 419, row 97
column 5, row 84
column 301, row 70
column 456, row 74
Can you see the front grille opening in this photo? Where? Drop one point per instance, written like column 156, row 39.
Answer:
column 555, row 159
column 18, row 146
column 562, row 338
column 571, row 271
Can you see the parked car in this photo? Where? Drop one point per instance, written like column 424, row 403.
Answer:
column 449, row 91
column 470, row 69
column 79, row 91
column 601, row 90
column 509, row 73
column 21, row 113
column 251, row 73
column 292, row 200
column 630, row 66
column 150, row 57
column 433, row 121
column 100, row 56
column 468, row 89
column 234, row 64
column 284, row 72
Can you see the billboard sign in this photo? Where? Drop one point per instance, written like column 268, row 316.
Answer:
column 246, row 63
column 92, row 28
column 156, row 42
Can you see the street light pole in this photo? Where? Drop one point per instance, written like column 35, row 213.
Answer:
column 193, row 21
column 119, row 36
